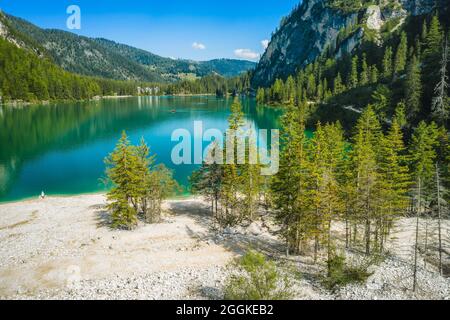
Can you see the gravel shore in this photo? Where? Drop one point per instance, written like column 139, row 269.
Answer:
column 62, row 248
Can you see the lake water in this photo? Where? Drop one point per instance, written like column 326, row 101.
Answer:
column 60, row 148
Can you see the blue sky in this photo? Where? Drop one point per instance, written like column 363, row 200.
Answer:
column 191, row 29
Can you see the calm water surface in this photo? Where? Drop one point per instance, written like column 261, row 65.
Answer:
column 60, row 148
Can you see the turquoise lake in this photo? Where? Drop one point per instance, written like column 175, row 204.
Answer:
column 60, row 148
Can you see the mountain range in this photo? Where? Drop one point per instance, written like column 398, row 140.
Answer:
column 107, row 59
column 314, row 27
column 339, row 26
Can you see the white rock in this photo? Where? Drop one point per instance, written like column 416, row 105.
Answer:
column 374, row 19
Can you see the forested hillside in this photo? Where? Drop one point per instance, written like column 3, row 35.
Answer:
column 176, row 69
column 394, row 162
column 25, row 76
column 337, row 26
column 402, row 68
column 29, row 77
column 107, row 59
column 80, row 54
column 212, row 84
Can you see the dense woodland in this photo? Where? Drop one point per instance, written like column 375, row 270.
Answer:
column 394, row 163
column 107, row 59
column 212, row 84
column 408, row 72
column 25, row 76
column 365, row 183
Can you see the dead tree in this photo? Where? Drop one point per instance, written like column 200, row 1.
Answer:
column 416, row 247
column 439, row 209
column 440, row 108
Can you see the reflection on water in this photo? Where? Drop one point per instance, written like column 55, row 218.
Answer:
column 60, row 148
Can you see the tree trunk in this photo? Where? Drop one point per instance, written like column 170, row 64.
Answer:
column 287, row 240
column 426, row 243
column 368, row 231
column 347, row 235
column 416, row 249
column 438, row 182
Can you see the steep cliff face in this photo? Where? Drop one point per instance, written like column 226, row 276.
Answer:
column 316, row 25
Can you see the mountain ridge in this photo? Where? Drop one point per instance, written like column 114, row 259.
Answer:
column 317, row 26
column 100, row 57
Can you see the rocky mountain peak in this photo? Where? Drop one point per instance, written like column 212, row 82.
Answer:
column 317, row 24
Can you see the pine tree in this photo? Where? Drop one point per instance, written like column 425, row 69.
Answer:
column 320, row 92
column 432, row 55
column 260, row 96
column 122, row 171
column 326, row 90
column 207, row 180
column 353, row 79
column 332, row 202
column 423, row 155
column 374, row 74
column 159, row 186
column 290, row 89
column 144, row 162
column 277, row 91
column 231, row 210
column 382, row 101
column 365, row 75
column 395, row 179
column 433, row 42
column 387, row 63
column 365, row 160
column 338, row 86
column 413, row 89
column 424, row 33
column 348, row 194
column 400, row 114
column 316, row 167
column 251, row 179
column 311, row 86
column 300, row 87
column 289, row 186
column 401, row 55
column 416, row 50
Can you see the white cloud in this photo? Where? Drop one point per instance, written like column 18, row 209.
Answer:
column 246, row 54
column 265, row 43
column 198, row 46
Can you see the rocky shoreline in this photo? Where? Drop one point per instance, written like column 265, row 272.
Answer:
column 62, row 248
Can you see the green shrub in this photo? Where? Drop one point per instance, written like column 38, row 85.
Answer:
column 341, row 274
column 257, row 279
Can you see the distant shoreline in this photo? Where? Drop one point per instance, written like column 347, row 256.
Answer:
column 190, row 95
column 114, row 97
column 185, row 196
column 20, row 103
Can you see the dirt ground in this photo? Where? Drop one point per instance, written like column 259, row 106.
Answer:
column 49, row 245
column 45, row 243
